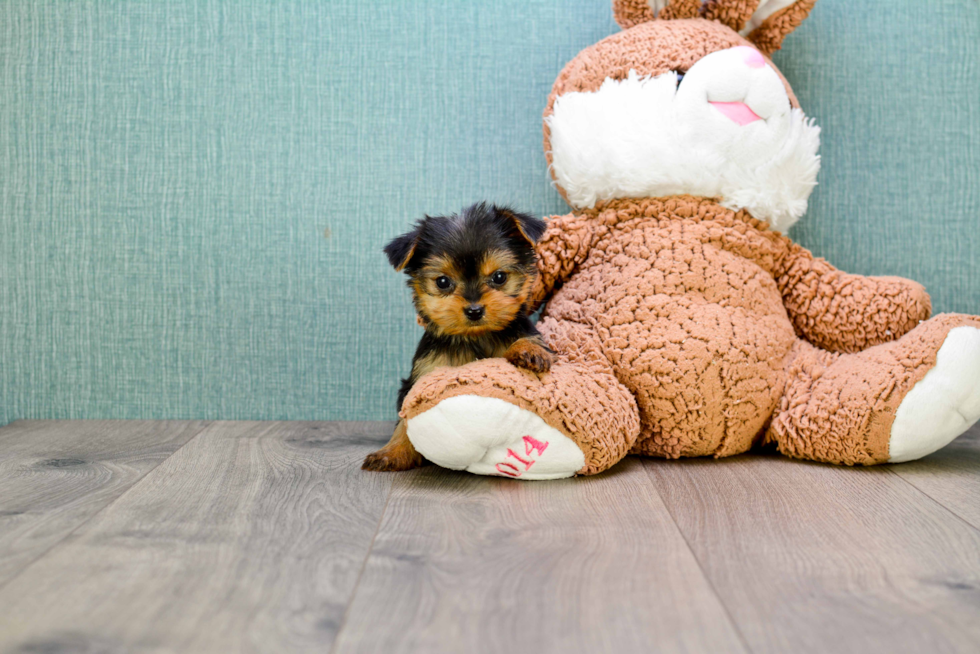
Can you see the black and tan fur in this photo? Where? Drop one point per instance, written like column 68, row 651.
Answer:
column 471, row 276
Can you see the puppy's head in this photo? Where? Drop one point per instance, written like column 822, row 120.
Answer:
column 471, row 272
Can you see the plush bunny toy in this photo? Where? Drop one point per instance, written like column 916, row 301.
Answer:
column 685, row 322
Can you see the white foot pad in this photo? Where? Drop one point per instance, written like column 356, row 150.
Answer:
column 944, row 404
column 487, row 436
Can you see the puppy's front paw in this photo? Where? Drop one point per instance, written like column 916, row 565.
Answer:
column 530, row 356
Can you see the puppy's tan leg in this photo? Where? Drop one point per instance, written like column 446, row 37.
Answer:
column 398, row 454
column 530, row 354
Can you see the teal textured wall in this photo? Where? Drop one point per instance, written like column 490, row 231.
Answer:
column 194, row 194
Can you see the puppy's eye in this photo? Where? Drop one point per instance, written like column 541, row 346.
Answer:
column 498, row 278
column 444, row 283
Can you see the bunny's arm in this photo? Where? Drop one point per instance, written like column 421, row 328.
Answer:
column 841, row 312
column 565, row 244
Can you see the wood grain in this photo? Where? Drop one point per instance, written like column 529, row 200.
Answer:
column 951, row 476
column 56, row 475
column 249, row 538
column 257, row 537
column 474, row 564
column 816, row 558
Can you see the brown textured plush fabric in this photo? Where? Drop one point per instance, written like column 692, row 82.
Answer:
column 769, row 36
column 704, row 314
column 580, row 397
column 652, row 48
column 733, row 13
column 674, row 318
column 631, row 12
column 840, row 408
column 841, row 312
column 681, row 293
column 683, row 328
column 680, row 9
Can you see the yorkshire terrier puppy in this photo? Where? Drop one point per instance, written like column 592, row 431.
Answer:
column 471, row 276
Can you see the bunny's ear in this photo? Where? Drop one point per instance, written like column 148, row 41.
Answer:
column 733, row 13
column 680, row 9
column 774, row 20
column 633, row 12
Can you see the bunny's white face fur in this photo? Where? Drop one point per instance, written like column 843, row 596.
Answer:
column 726, row 131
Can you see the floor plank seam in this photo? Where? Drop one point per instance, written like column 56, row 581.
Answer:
column 937, row 502
column 704, row 575
column 68, row 535
column 360, row 573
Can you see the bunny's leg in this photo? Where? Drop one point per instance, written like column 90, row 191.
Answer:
column 491, row 418
column 893, row 402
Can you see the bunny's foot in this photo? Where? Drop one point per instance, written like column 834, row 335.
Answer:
column 893, row 402
column 491, row 418
column 488, row 436
column 944, row 404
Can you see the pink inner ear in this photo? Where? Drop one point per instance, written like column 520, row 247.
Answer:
column 737, row 111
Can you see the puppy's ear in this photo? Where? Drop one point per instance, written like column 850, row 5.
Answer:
column 529, row 227
column 401, row 250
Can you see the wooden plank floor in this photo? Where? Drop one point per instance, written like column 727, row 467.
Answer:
column 267, row 537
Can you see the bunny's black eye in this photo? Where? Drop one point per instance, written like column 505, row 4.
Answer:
column 444, row 283
column 498, row 278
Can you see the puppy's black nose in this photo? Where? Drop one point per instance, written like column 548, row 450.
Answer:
column 474, row 312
